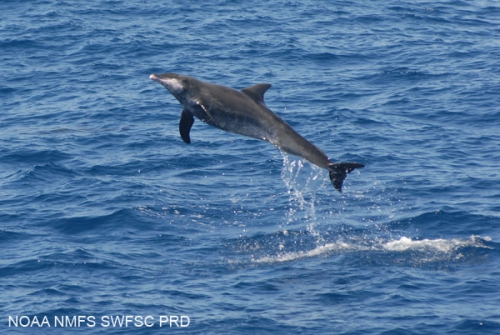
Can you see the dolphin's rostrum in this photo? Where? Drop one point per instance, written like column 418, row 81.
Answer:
column 244, row 112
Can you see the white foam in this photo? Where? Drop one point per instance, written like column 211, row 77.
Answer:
column 318, row 251
column 439, row 246
column 406, row 243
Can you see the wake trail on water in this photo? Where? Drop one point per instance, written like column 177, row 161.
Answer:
column 302, row 189
column 426, row 250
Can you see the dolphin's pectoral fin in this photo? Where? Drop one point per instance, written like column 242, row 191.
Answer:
column 185, row 124
column 256, row 92
column 338, row 172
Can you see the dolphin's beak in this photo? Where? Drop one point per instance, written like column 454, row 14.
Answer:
column 172, row 84
column 157, row 78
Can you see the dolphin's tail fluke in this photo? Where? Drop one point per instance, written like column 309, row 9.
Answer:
column 338, row 172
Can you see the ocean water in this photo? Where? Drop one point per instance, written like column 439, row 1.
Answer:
column 110, row 223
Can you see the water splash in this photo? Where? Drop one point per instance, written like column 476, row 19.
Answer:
column 303, row 181
column 302, row 188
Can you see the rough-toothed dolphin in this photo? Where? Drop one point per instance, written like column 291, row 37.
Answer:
column 244, row 112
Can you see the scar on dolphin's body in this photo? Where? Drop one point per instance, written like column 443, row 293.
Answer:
column 244, row 112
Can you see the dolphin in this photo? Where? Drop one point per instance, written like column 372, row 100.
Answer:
column 244, row 112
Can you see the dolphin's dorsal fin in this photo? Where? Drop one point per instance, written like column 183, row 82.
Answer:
column 187, row 121
column 256, row 92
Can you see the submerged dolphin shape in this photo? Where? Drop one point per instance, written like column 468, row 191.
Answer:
column 244, row 112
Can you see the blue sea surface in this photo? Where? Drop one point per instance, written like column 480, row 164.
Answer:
column 105, row 213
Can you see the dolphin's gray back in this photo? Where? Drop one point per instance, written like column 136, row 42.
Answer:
column 236, row 112
column 246, row 114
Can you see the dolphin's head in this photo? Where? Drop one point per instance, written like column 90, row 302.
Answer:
column 178, row 85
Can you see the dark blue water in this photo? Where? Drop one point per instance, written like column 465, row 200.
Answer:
column 106, row 213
